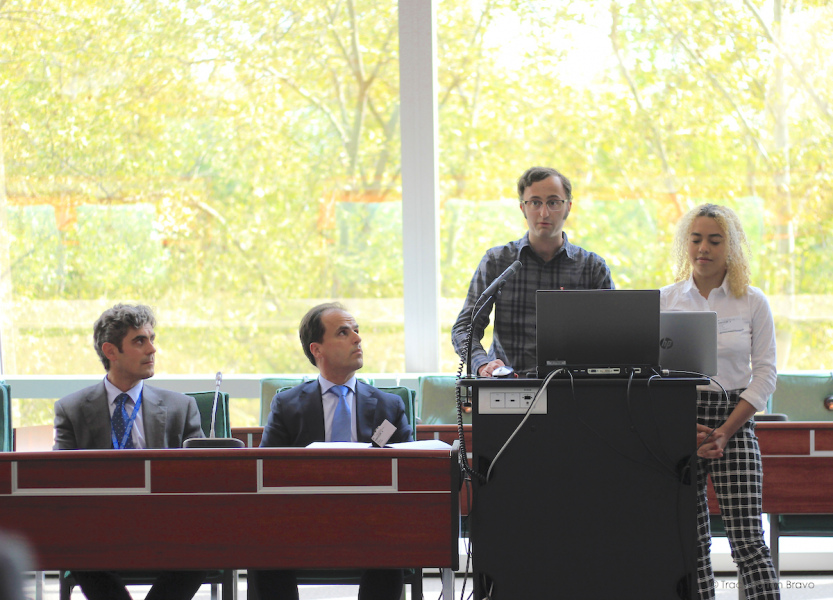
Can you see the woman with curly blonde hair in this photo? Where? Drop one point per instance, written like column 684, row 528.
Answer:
column 712, row 274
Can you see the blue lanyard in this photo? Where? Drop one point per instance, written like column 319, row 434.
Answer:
column 128, row 427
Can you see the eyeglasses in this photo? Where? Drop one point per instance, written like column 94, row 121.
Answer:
column 552, row 205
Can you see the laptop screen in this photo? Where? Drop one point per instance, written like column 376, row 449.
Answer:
column 597, row 332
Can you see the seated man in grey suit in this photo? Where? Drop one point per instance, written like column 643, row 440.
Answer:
column 334, row 407
column 122, row 412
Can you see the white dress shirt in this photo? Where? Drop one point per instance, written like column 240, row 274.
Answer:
column 138, row 431
column 745, row 337
column 329, row 399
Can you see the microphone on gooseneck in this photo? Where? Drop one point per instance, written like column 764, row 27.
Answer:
column 218, row 381
column 211, row 441
column 490, row 292
column 495, row 287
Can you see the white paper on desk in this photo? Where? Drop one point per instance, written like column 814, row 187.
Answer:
column 352, row 445
column 421, row 445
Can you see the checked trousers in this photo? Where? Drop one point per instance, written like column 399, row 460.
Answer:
column 737, row 479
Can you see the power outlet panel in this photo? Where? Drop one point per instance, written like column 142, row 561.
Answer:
column 510, row 400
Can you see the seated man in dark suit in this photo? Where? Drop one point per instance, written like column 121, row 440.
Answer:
column 334, row 407
column 123, row 412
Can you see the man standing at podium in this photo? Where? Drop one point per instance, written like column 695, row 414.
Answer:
column 121, row 412
column 550, row 262
column 334, row 407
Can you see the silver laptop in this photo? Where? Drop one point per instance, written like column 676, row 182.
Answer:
column 688, row 341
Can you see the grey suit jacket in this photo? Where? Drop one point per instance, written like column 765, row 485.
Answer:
column 297, row 417
column 82, row 419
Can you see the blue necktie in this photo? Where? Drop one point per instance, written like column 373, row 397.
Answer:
column 120, row 419
column 341, row 431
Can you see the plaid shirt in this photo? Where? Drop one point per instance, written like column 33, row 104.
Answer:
column 514, row 341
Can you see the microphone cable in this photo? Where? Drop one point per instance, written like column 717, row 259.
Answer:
column 464, row 458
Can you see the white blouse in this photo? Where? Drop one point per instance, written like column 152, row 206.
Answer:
column 745, row 337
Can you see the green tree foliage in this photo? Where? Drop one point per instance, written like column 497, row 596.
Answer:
column 265, row 139
column 233, row 162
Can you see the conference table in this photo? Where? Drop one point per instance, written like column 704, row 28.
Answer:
column 247, row 508
column 299, row 508
column 797, row 456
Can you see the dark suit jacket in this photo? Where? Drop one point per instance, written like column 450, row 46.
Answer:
column 297, row 417
column 82, row 419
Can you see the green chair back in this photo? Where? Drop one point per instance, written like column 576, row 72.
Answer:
column 716, row 525
column 409, row 398
column 806, row 525
column 205, row 403
column 5, row 417
column 269, row 386
column 437, row 400
column 801, row 396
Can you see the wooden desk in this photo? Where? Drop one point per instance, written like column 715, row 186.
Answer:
column 250, row 436
column 234, row 509
column 798, row 472
column 449, row 435
column 797, row 456
column 798, row 467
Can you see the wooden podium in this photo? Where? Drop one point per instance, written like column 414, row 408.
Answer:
column 246, row 508
column 593, row 498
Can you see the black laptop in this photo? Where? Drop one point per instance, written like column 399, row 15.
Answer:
column 598, row 333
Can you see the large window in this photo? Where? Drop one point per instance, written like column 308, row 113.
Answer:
column 229, row 163
column 232, row 163
column 651, row 108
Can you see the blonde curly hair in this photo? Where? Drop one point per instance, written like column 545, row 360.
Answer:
column 737, row 256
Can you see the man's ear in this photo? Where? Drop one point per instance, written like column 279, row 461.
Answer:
column 110, row 350
column 315, row 350
column 567, row 209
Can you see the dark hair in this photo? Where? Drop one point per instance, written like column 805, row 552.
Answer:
column 311, row 330
column 535, row 174
column 113, row 324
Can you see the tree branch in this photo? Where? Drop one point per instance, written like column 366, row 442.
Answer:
column 670, row 179
column 821, row 104
column 726, row 96
column 314, row 101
